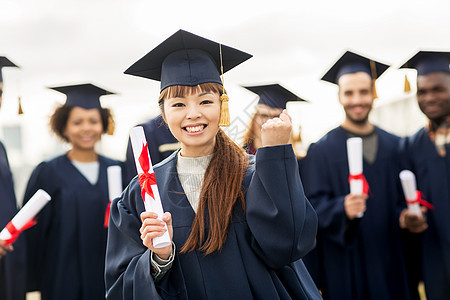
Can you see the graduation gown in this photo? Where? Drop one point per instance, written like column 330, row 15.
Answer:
column 433, row 179
column 158, row 135
column 12, row 265
column 362, row 258
column 261, row 258
column 66, row 249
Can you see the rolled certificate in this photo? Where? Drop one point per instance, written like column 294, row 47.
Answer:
column 355, row 166
column 24, row 218
column 114, row 181
column 114, row 174
column 147, row 181
column 408, row 180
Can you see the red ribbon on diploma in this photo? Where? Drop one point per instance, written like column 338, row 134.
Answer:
column 366, row 187
column 146, row 180
column 14, row 232
column 108, row 209
column 419, row 199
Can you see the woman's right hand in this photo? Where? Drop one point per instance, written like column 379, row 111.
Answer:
column 4, row 249
column 152, row 227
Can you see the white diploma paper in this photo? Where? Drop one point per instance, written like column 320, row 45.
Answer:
column 28, row 212
column 355, row 165
column 138, row 140
column 114, row 181
column 408, row 180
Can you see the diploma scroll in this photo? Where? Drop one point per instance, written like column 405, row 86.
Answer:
column 147, row 181
column 24, row 219
column 355, row 166
column 408, row 180
column 114, row 174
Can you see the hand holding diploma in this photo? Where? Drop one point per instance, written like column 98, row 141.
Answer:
column 24, row 219
column 413, row 218
column 147, row 181
column 408, row 180
column 152, row 227
column 355, row 203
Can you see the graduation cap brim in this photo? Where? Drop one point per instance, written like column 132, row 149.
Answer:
column 426, row 62
column 84, row 95
column 150, row 65
column 351, row 62
column 5, row 62
column 274, row 95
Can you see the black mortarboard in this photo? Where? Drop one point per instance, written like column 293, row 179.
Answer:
column 187, row 59
column 273, row 95
column 83, row 95
column 426, row 62
column 4, row 62
column 350, row 63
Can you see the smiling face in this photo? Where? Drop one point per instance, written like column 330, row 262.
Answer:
column 433, row 95
column 194, row 120
column 355, row 95
column 84, row 128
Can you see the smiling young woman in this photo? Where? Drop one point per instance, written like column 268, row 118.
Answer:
column 66, row 249
column 239, row 224
column 192, row 114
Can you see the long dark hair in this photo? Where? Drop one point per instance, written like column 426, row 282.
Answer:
column 222, row 184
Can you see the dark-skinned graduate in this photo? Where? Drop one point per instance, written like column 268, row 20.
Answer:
column 427, row 156
column 66, row 249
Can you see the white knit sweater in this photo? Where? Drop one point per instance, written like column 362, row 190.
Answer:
column 191, row 171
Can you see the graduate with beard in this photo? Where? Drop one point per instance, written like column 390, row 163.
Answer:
column 427, row 153
column 356, row 257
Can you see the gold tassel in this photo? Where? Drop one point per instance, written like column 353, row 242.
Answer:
column 407, row 85
column 373, row 70
column 20, row 107
column 111, row 126
column 374, row 89
column 224, row 111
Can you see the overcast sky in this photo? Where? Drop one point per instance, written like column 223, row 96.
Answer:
column 60, row 42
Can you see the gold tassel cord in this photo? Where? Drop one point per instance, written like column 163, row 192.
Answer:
column 20, row 107
column 373, row 70
column 224, row 110
column 111, row 126
column 374, row 89
column 407, row 85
